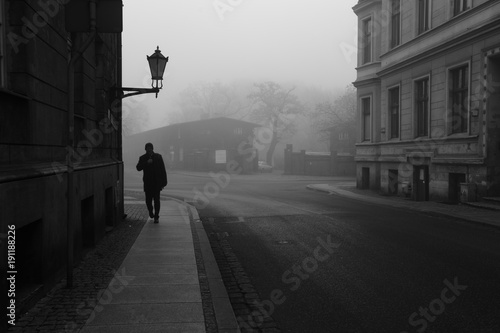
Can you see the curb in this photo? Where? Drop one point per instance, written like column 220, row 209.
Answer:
column 386, row 203
column 224, row 314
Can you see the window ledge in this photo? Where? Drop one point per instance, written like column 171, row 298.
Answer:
column 422, row 140
column 460, row 135
column 369, row 64
column 11, row 93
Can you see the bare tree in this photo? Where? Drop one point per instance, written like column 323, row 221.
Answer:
column 340, row 113
column 276, row 108
column 209, row 100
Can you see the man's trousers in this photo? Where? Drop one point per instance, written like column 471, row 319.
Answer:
column 150, row 197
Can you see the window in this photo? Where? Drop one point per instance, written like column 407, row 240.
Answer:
column 343, row 136
column 422, row 107
column 459, row 91
column 460, row 6
column 423, row 12
column 394, row 112
column 79, row 129
column 365, row 112
column 2, row 49
column 367, row 41
column 395, row 23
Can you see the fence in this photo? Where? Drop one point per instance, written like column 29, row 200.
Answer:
column 318, row 163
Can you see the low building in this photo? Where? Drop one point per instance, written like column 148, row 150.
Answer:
column 343, row 146
column 339, row 161
column 213, row 144
column 428, row 88
column 342, row 139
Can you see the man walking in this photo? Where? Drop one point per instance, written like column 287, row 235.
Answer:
column 154, row 177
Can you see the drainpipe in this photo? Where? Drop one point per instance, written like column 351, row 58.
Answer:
column 75, row 56
column 119, row 114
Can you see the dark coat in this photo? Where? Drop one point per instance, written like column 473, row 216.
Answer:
column 155, row 175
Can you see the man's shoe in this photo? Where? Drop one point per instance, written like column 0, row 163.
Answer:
column 151, row 215
column 156, row 220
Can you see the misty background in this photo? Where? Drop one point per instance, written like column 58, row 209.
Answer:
column 225, row 55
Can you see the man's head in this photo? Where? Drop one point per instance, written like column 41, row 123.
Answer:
column 149, row 147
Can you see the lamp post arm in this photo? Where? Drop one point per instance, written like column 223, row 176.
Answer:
column 139, row 91
column 120, row 92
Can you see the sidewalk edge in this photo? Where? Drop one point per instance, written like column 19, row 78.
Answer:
column 343, row 193
column 224, row 314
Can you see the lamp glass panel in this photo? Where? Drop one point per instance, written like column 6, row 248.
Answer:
column 157, row 64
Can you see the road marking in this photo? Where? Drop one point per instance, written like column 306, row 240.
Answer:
column 239, row 220
column 283, row 242
column 303, row 209
column 293, row 206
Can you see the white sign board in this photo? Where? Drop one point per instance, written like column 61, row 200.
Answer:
column 220, row 156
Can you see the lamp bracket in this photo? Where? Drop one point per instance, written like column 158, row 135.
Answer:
column 119, row 92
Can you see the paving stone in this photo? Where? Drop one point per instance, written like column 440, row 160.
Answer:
column 252, row 296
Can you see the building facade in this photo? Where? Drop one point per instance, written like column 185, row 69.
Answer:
column 428, row 89
column 37, row 149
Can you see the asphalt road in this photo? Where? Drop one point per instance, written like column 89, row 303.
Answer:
column 324, row 263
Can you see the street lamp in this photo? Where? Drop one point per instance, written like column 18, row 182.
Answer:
column 157, row 63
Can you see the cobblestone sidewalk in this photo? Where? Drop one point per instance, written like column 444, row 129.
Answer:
column 66, row 309
column 242, row 294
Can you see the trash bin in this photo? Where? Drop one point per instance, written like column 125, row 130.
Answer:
column 406, row 189
column 468, row 192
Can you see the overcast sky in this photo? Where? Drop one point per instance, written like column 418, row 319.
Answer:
column 302, row 41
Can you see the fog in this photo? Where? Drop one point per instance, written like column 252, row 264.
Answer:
column 291, row 42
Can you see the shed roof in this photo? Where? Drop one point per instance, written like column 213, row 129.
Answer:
column 207, row 122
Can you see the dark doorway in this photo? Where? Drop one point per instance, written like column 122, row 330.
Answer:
column 493, row 114
column 393, row 182
column 87, row 218
column 454, row 181
column 421, row 181
column 365, row 178
column 28, row 261
column 110, row 206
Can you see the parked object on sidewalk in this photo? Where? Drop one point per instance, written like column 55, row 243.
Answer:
column 468, row 192
column 264, row 167
column 406, row 189
column 154, row 178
